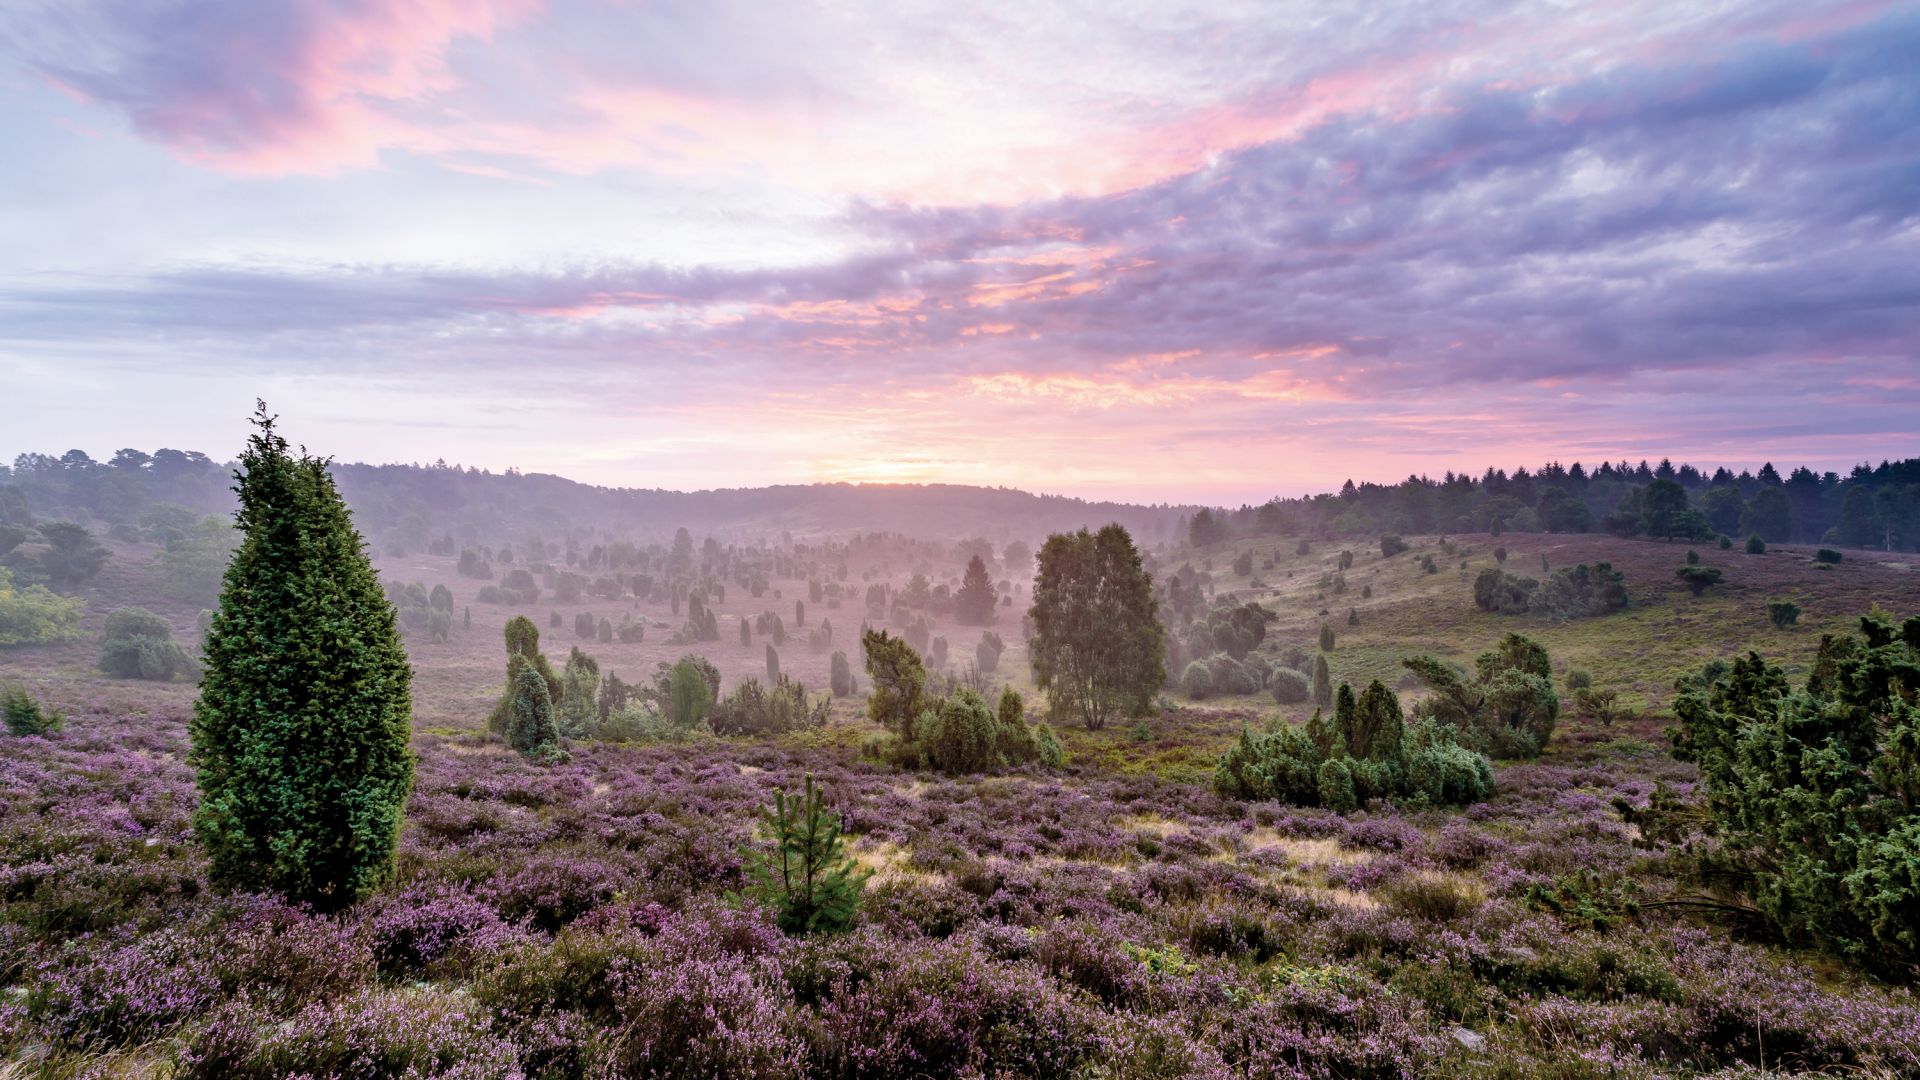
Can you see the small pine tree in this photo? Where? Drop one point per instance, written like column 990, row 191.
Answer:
column 773, row 665
column 1326, row 638
column 300, row 734
column 25, row 716
column 808, row 878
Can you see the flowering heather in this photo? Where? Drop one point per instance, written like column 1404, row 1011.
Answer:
column 578, row 921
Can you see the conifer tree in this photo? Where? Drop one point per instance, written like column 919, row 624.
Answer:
column 808, row 878
column 840, row 677
column 1322, row 682
column 899, row 681
column 300, row 734
column 973, row 605
column 530, row 724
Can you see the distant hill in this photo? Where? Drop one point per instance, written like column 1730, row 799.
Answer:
column 408, row 505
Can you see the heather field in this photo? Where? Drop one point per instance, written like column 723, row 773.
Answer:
column 718, row 540
column 1113, row 917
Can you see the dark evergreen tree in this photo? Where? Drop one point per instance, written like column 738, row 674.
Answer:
column 300, row 734
column 974, row 604
column 530, row 724
column 1322, row 682
column 1770, row 515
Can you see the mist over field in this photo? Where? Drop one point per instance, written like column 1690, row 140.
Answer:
column 563, row 540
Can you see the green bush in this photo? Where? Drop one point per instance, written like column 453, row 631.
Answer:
column 690, row 692
column 137, row 644
column 25, row 716
column 1391, row 545
column 960, row 736
column 1322, row 682
column 1289, row 686
column 1756, row 545
column 34, row 615
column 1828, row 556
column 1508, row 708
column 1197, row 682
column 301, row 732
column 756, row 709
column 1366, row 752
column 1507, row 594
column 1783, row 613
column 1815, row 794
column 1047, row 747
column 1698, row 579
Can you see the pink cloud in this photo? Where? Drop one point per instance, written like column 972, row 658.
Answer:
column 312, row 87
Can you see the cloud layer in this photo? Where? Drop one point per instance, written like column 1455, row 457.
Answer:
column 1103, row 250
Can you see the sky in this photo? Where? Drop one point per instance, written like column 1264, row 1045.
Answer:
column 1152, row 251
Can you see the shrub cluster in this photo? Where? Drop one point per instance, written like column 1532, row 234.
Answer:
column 771, row 709
column 957, row 732
column 1571, row 592
column 1507, row 708
column 1813, row 793
column 1366, row 752
column 33, row 614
